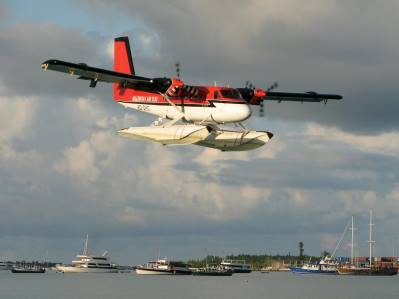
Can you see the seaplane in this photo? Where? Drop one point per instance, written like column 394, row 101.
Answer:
column 186, row 114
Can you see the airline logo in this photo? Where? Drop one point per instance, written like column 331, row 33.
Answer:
column 146, row 99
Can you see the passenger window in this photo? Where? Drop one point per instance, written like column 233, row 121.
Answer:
column 216, row 94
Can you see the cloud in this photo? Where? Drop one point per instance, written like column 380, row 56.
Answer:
column 84, row 162
column 16, row 114
column 326, row 46
column 383, row 144
column 65, row 172
column 328, row 242
column 24, row 46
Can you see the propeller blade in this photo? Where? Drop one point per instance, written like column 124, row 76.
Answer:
column 261, row 110
column 273, row 86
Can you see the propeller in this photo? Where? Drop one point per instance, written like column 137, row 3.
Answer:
column 270, row 88
column 273, row 86
column 177, row 65
column 249, row 85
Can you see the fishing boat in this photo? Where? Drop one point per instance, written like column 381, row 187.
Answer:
column 212, row 270
column 28, row 268
column 370, row 269
column 237, row 266
column 163, row 267
column 324, row 266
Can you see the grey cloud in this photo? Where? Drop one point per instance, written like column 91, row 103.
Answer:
column 3, row 12
column 348, row 49
column 25, row 46
column 37, row 200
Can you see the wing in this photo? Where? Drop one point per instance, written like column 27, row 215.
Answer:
column 256, row 96
column 85, row 72
column 300, row 97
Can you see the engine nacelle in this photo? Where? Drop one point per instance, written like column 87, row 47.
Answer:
column 174, row 87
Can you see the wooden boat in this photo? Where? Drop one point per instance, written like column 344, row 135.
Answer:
column 370, row 269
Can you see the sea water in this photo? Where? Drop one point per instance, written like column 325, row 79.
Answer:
column 255, row 285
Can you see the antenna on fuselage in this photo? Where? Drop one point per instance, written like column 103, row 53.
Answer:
column 177, row 65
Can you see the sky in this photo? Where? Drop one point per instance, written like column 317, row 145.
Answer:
column 66, row 173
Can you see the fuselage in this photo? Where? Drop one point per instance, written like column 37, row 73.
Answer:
column 211, row 104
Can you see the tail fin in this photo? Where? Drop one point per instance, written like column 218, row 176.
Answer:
column 123, row 61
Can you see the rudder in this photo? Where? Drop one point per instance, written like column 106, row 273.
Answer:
column 123, row 61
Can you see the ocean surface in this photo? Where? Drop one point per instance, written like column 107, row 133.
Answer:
column 242, row 286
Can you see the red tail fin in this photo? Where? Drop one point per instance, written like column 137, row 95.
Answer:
column 123, row 63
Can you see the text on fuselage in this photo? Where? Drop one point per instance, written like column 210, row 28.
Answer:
column 146, row 99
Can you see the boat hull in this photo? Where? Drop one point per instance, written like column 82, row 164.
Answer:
column 299, row 270
column 144, row 271
column 69, row 269
column 213, row 273
column 32, row 271
column 368, row 271
column 242, row 270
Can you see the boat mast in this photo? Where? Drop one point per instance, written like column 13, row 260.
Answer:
column 85, row 250
column 370, row 235
column 352, row 246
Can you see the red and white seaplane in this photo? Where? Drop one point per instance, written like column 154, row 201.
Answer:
column 187, row 114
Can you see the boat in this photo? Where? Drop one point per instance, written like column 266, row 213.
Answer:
column 367, row 270
column 322, row 267
column 212, row 270
column 89, row 263
column 28, row 268
column 237, row 266
column 6, row 265
column 266, row 269
column 283, row 269
column 163, row 267
column 370, row 269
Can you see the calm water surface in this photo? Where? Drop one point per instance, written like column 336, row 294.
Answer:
column 254, row 285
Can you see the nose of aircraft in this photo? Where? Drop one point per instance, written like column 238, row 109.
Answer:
column 244, row 112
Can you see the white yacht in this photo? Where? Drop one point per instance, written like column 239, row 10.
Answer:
column 88, row 263
column 163, row 267
column 6, row 265
column 237, row 266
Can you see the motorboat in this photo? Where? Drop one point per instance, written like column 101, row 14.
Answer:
column 163, row 267
column 89, row 263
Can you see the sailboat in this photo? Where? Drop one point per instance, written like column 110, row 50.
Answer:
column 371, row 269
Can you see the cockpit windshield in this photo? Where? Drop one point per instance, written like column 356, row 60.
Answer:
column 230, row 93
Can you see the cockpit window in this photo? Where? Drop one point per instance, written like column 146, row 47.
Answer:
column 230, row 93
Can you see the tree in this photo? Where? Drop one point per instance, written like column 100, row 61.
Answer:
column 301, row 251
column 325, row 253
